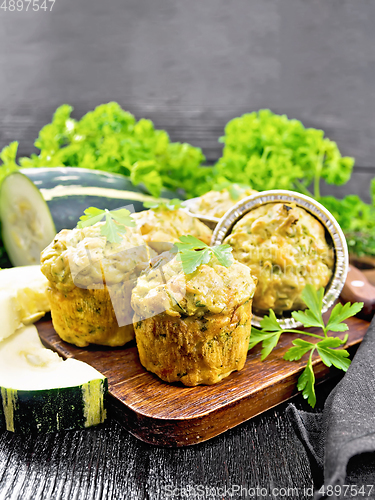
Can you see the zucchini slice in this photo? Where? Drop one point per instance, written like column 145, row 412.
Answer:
column 9, row 314
column 23, row 298
column 40, row 392
column 26, row 221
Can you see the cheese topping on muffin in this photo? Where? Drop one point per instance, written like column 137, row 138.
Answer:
column 285, row 247
column 217, row 203
column 83, row 258
column 212, row 288
column 162, row 226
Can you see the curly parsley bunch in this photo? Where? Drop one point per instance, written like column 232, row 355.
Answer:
column 111, row 139
column 270, row 151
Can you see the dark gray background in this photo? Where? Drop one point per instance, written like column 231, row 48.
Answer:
column 193, row 65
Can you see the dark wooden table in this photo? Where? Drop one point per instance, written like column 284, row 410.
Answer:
column 107, row 462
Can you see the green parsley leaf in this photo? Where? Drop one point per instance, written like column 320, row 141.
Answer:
column 192, row 259
column 301, row 347
column 307, row 318
column 111, row 230
column 269, row 344
column 314, row 301
column 193, row 252
column 332, row 341
column 269, row 341
column 115, row 225
column 326, row 346
column 306, row 383
column 123, row 217
column 270, row 323
column 223, row 253
column 335, row 357
column 188, row 242
column 340, row 313
column 258, row 336
column 91, row 217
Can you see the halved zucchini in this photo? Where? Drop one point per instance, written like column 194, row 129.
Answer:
column 40, row 392
column 26, row 221
column 23, row 297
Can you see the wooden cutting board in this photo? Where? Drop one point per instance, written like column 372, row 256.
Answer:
column 173, row 415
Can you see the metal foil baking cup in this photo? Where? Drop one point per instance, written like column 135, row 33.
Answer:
column 191, row 207
column 334, row 287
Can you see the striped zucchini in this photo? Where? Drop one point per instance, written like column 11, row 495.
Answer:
column 40, row 393
column 68, row 191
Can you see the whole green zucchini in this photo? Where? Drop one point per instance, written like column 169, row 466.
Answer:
column 68, row 191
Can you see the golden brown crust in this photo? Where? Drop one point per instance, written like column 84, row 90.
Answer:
column 160, row 227
column 194, row 350
column 90, row 278
column 211, row 288
column 85, row 258
column 217, row 203
column 84, row 317
column 285, row 247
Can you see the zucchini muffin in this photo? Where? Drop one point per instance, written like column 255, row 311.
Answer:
column 217, row 203
column 161, row 228
column 286, row 248
column 90, row 284
column 193, row 328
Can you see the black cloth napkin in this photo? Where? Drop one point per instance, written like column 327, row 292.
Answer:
column 345, row 429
